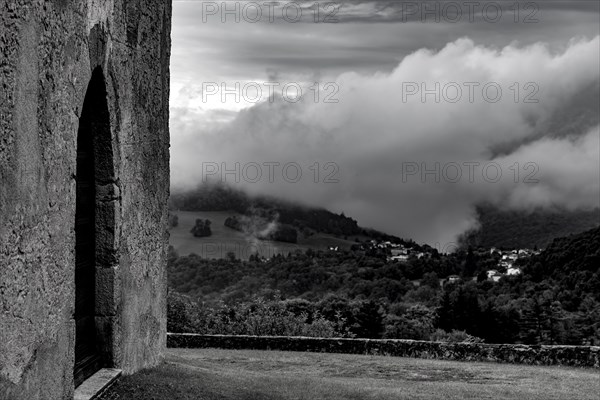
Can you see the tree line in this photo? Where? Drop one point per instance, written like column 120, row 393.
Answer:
column 556, row 300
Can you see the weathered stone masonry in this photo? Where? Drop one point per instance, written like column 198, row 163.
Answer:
column 48, row 52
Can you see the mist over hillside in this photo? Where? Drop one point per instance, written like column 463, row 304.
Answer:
column 496, row 227
column 411, row 165
column 307, row 220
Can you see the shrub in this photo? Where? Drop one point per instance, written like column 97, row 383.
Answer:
column 441, row 335
column 416, row 323
column 258, row 317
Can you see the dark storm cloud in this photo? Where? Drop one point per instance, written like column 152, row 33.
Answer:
column 455, row 10
column 358, row 42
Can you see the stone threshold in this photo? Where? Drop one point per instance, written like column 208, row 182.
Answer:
column 96, row 384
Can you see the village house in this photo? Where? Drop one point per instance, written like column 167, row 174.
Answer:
column 494, row 275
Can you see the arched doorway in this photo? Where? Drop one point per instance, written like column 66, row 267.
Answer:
column 94, row 167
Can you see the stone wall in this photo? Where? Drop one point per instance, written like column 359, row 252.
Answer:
column 48, row 50
column 574, row 356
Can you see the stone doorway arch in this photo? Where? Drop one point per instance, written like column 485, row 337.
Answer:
column 95, row 249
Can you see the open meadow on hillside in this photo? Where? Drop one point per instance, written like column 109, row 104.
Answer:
column 224, row 240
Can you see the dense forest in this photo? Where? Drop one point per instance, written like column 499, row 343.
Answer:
column 527, row 229
column 361, row 293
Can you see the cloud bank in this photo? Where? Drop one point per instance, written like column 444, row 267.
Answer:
column 413, row 151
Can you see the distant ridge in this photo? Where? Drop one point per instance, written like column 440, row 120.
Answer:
column 570, row 255
column 527, row 229
column 220, row 197
column 497, row 228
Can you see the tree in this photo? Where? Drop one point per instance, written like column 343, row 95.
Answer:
column 470, row 265
column 202, row 228
column 482, row 276
column 230, row 256
column 431, row 279
column 173, row 220
column 416, row 323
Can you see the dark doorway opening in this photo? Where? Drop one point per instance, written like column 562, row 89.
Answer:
column 92, row 139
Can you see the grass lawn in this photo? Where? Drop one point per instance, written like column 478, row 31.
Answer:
column 211, row 374
column 224, row 239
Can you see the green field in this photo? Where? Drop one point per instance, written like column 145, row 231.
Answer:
column 210, row 374
column 224, row 240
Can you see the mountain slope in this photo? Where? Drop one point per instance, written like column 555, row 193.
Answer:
column 218, row 197
column 574, row 255
column 527, row 229
column 498, row 228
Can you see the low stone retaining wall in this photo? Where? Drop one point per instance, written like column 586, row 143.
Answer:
column 574, row 356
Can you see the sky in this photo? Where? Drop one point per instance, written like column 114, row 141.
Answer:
column 411, row 114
